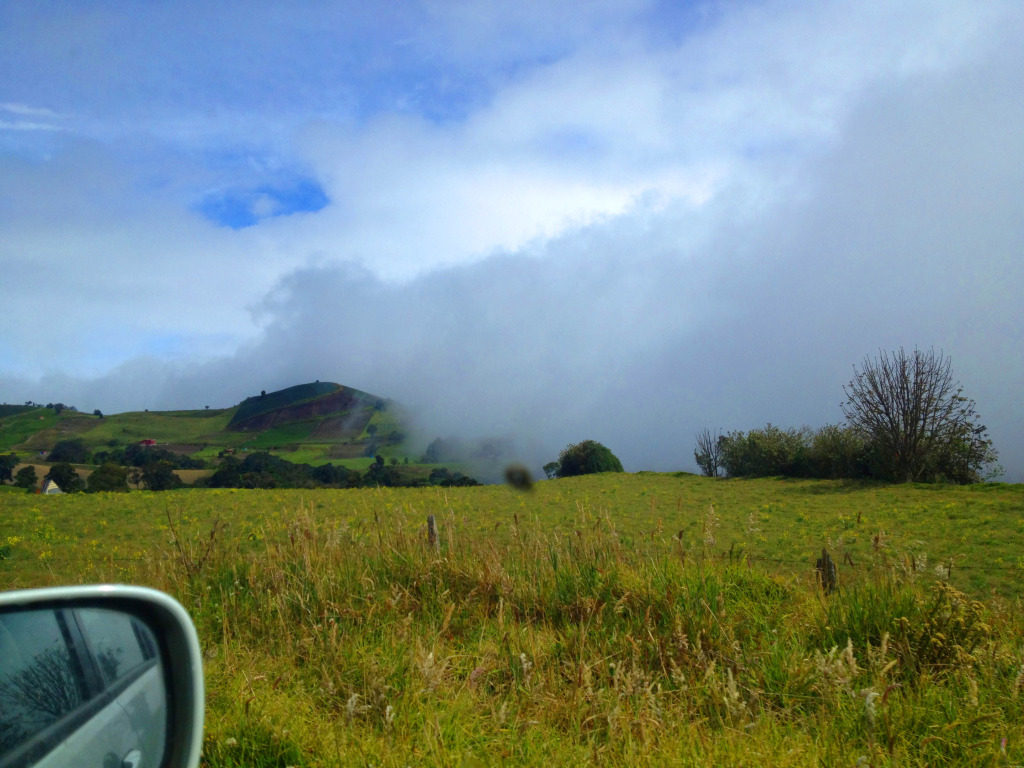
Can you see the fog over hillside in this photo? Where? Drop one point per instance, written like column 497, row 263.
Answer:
column 725, row 272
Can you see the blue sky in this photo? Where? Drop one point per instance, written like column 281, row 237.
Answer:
column 615, row 220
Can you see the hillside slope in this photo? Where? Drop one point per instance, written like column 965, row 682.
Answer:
column 347, row 411
column 321, row 421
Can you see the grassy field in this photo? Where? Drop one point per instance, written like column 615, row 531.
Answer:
column 642, row 619
column 42, row 428
column 170, row 426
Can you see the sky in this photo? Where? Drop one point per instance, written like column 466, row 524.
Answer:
column 621, row 221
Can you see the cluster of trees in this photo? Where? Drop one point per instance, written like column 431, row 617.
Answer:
column 25, row 477
column 157, row 476
column 830, row 452
column 908, row 420
column 149, row 469
column 137, row 455
column 264, row 470
column 70, row 451
column 586, row 458
column 257, row 470
column 147, row 466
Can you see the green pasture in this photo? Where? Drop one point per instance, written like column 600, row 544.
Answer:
column 17, row 428
column 778, row 525
column 294, row 432
column 30, row 432
column 166, row 426
column 614, row 620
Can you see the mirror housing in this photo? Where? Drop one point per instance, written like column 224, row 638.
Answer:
column 178, row 650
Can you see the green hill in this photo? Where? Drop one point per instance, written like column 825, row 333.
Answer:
column 252, row 407
column 313, row 423
column 330, row 410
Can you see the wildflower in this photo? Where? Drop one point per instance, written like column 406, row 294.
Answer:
column 230, row 742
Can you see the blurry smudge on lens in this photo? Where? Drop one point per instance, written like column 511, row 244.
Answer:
column 519, row 477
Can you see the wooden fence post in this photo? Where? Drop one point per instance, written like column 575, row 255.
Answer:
column 432, row 539
column 826, row 572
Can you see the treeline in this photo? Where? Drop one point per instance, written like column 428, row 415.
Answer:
column 831, row 452
column 257, row 470
column 908, row 420
column 264, row 470
column 135, row 455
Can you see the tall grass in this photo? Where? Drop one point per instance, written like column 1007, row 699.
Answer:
column 340, row 646
column 598, row 621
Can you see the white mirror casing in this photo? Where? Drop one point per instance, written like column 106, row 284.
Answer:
column 107, row 675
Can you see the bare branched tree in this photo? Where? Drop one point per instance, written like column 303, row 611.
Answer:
column 915, row 416
column 708, row 452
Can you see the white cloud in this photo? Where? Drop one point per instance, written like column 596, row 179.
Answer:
column 24, row 110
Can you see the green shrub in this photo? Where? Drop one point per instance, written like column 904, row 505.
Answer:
column 587, row 458
column 836, row 452
column 766, row 452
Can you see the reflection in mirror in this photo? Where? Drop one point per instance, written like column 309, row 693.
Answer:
column 79, row 686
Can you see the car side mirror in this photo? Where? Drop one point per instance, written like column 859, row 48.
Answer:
column 98, row 675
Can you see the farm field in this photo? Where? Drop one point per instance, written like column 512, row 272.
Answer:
column 636, row 619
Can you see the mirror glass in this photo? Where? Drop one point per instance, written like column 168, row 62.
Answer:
column 80, row 686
